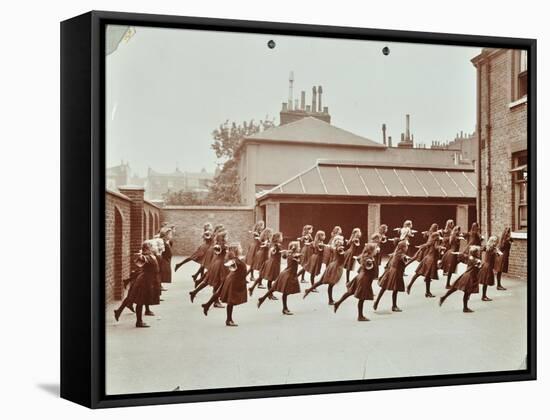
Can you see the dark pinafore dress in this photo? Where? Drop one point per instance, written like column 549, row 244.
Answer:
column 334, row 270
column 428, row 265
column 313, row 266
column 306, row 243
column 272, row 267
column 199, row 255
column 392, row 279
column 217, row 270
column 502, row 261
column 233, row 288
column 252, row 249
column 262, row 254
column 145, row 288
column 361, row 285
column 165, row 263
column 486, row 274
column 450, row 260
column 353, row 250
column 468, row 281
column 287, row 282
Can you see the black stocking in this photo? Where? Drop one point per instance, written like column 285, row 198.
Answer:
column 446, row 295
column 360, row 308
column 347, row 276
column 285, row 306
column 377, row 301
column 229, row 310
column 329, row 291
column 139, row 314
column 428, row 283
column 484, row 295
column 465, row 300
column 449, row 279
column 394, row 298
column 499, row 276
column 416, row 275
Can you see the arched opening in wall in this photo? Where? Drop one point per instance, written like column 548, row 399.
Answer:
column 144, row 226
column 117, row 256
column 150, row 223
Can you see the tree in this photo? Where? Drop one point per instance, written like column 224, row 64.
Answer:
column 227, row 145
column 185, row 198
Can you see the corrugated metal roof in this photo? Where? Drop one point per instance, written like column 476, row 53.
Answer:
column 314, row 131
column 345, row 179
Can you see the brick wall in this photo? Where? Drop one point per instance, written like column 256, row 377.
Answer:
column 189, row 221
column 502, row 128
column 128, row 221
column 117, row 243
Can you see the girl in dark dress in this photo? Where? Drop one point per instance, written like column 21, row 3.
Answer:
column 306, row 241
column 216, row 270
column 313, row 265
column 130, row 284
column 450, row 259
column 361, row 285
column 232, row 289
column 353, row 250
column 261, row 256
column 208, row 255
column 501, row 265
column 428, row 266
column 272, row 267
column 446, row 232
column 166, row 257
column 334, row 271
column 486, row 272
column 254, row 245
column 419, row 254
column 473, row 238
column 468, row 281
column 145, row 290
column 406, row 231
column 392, row 279
column 198, row 255
column 287, row 282
column 328, row 252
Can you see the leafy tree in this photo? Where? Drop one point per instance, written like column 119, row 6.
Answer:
column 227, row 145
column 185, row 198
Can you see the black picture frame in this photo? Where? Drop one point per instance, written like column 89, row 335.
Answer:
column 83, row 203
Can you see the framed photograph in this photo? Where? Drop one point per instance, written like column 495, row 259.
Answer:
column 257, row 209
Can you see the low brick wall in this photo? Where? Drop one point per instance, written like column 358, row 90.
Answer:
column 189, row 221
column 117, row 243
column 518, row 258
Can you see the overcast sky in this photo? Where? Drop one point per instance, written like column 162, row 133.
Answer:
column 167, row 89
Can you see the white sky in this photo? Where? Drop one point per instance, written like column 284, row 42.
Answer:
column 167, row 89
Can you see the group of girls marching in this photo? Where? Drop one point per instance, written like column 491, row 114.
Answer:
column 234, row 278
column 151, row 268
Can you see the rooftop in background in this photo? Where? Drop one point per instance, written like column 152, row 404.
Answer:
column 359, row 179
column 311, row 130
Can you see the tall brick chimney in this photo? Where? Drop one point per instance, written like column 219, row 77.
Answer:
column 320, row 92
column 303, row 101
column 314, row 99
column 384, row 133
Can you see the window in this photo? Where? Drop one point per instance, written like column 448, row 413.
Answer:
column 519, row 179
column 520, row 75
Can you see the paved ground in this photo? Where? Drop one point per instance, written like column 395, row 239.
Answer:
column 186, row 349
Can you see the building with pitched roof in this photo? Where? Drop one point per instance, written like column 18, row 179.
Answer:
column 307, row 170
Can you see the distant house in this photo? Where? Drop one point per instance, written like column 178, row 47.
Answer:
column 157, row 183
column 116, row 176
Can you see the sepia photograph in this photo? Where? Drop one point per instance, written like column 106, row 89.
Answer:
column 297, row 210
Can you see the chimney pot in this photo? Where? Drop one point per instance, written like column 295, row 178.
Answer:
column 389, row 141
column 320, row 92
column 314, row 99
column 325, row 109
column 384, row 133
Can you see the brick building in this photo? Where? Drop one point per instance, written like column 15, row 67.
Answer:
column 129, row 220
column 502, row 137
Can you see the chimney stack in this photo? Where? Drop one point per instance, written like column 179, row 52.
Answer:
column 303, row 100
column 325, row 109
column 389, row 141
column 384, row 133
column 314, row 100
column 285, row 106
column 408, row 130
column 320, row 92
